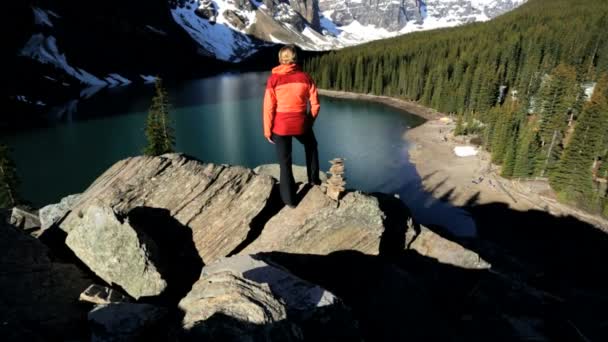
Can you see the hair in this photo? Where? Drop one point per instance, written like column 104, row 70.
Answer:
column 288, row 54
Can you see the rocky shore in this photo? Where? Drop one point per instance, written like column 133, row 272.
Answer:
column 172, row 249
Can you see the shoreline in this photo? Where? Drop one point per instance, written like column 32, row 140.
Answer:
column 408, row 106
column 449, row 177
column 474, row 180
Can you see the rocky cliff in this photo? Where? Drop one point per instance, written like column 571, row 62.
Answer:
column 183, row 250
column 396, row 15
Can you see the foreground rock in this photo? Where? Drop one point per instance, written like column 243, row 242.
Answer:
column 243, row 298
column 299, row 172
column 319, row 225
column 53, row 213
column 26, row 220
column 38, row 296
column 116, row 251
column 127, row 322
column 430, row 244
column 218, row 203
column 98, row 294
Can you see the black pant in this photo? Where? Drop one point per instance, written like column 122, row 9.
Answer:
column 287, row 183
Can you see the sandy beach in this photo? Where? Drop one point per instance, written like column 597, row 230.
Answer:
column 472, row 180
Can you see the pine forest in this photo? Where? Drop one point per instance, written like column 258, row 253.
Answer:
column 532, row 84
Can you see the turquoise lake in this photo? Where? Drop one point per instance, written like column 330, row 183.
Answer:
column 219, row 120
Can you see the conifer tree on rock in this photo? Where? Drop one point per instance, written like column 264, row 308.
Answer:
column 159, row 133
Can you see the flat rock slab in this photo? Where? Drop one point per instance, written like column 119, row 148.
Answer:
column 245, row 296
column 299, row 172
column 53, row 213
column 319, row 225
column 430, row 244
column 217, row 202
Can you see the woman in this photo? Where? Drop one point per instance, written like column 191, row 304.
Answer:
column 288, row 92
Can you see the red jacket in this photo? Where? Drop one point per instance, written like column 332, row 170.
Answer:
column 288, row 91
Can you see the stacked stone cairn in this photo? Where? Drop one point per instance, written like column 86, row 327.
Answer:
column 336, row 184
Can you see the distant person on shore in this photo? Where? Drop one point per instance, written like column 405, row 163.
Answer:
column 286, row 115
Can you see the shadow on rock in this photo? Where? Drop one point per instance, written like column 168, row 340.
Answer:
column 181, row 263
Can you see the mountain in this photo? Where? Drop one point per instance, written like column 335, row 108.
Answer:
column 63, row 51
column 233, row 30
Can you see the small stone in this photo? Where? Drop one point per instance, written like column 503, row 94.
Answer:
column 336, row 184
column 98, row 294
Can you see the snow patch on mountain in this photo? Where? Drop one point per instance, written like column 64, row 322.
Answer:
column 359, row 21
column 148, row 78
column 44, row 49
column 42, row 17
column 216, row 34
column 115, row 80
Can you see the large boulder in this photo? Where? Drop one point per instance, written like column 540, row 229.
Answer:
column 319, row 225
column 52, row 213
column 116, row 251
column 38, row 293
column 243, row 298
column 299, row 172
column 218, row 203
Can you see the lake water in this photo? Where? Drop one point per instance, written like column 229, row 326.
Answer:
column 219, row 120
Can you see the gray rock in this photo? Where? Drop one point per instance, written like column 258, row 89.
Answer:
column 246, row 5
column 284, row 13
column 299, row 172
column 236, row 19
column 98, row 294
column 242, row 298
column 125, row 322
column 218, row 203
column 116, row 251
column 430, row 244
column 309, row 10
column 52, row 213
column 25, row 220
column 318, row 225
column 38, row 296
column 387, row 14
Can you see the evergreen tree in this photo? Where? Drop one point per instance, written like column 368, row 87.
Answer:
column 541, row 62
column 558, row 96
column 159, row 132
column 9, row 181
column 526, row 150
column 573, row 176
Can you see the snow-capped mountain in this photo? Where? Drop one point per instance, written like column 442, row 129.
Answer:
column 233, row 30
column 121, row 41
